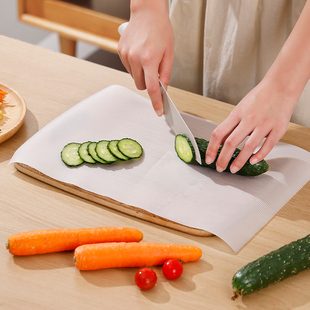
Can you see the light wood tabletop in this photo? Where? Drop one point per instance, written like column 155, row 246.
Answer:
column 51, row 83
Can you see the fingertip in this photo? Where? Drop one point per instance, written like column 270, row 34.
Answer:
column 234, row 169
column 159, row 112
column 209, row 160
column 253, row 160
column 219, row 168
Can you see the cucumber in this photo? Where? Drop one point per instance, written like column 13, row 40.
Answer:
column 185, row 149
column 185, row 152
column 93, row 154
column 130, row 148
column 112, row 146
column 104, row 153
column 70, row 154
column 83, row 152
column 276, row 266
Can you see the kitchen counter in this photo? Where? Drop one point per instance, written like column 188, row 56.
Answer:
column 51, row 83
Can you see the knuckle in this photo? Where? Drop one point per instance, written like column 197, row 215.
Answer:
column 230, row 142
column 216, row 134
column 152, row 88
column 133, row 57
column 146, row 58
column 250, row 145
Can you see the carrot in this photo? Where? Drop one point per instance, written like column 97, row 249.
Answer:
column 2, row 94
column 56, row 240
column 101, row 256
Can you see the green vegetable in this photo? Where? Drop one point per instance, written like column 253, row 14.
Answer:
column 186, row 152
column 112, row 146
column 278, row 265
column 70, row 154
column 93, row 154
column 130, row 148
column 104, row 152
column 84, row 154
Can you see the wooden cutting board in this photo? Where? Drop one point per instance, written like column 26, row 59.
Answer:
column 110, row 203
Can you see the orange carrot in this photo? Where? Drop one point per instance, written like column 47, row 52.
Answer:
column 56, row 240
column 111, row 255
column 2, row 94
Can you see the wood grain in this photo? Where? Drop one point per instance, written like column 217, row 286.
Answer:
column 50, row 84
column 14, row 112
column 109, row 202
column 72, row 22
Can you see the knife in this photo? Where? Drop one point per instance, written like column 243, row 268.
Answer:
column 172, row 115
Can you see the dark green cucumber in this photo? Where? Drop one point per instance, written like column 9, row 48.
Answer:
column 186, row 152
column 276, row 266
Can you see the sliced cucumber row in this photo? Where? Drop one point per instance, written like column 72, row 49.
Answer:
column 103, row 152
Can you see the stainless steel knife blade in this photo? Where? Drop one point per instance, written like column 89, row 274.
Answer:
column 176, row 121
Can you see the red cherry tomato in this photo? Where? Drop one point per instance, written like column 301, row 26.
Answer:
column 172, row 268
column 145, row 278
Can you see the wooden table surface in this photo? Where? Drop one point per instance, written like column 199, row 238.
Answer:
column 51, row 83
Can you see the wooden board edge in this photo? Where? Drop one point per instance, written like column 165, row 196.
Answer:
column 109, row 202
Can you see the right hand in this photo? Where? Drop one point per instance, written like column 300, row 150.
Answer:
column 146, row 48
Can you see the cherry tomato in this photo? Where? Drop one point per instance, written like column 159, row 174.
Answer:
column 145, row 278
column 172, row 268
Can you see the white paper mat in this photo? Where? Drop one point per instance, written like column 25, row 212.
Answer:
column 230, row 206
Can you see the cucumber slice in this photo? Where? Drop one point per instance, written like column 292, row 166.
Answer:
column 93, row 154
column 112, row 146
column 83, row 152
column 104, row 153
column 130, row 148
column 184, row 149
column 70, row 154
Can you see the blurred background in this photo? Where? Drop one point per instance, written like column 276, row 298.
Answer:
column 12, row 26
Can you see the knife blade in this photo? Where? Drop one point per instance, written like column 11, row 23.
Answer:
column 176, row 121
column 171, row 113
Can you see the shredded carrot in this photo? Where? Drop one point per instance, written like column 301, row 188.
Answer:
column 56, row 240
column 2, row 95
column 112, row 255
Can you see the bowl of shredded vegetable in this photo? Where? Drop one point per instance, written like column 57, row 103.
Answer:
column 12, row 112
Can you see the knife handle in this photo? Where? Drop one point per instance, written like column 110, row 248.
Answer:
column 122, row 27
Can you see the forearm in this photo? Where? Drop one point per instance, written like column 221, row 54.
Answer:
column 290, row 71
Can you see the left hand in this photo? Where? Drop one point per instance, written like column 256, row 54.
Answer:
column 263, row 113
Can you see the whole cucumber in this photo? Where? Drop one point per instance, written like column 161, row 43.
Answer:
column 276, row 266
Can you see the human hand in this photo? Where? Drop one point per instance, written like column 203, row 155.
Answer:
column 146, row 48
column 263, row 113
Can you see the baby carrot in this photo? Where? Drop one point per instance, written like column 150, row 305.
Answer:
column 56, row 240
column 111, row 255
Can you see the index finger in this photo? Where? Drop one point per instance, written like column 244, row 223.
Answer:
column 152, row 86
